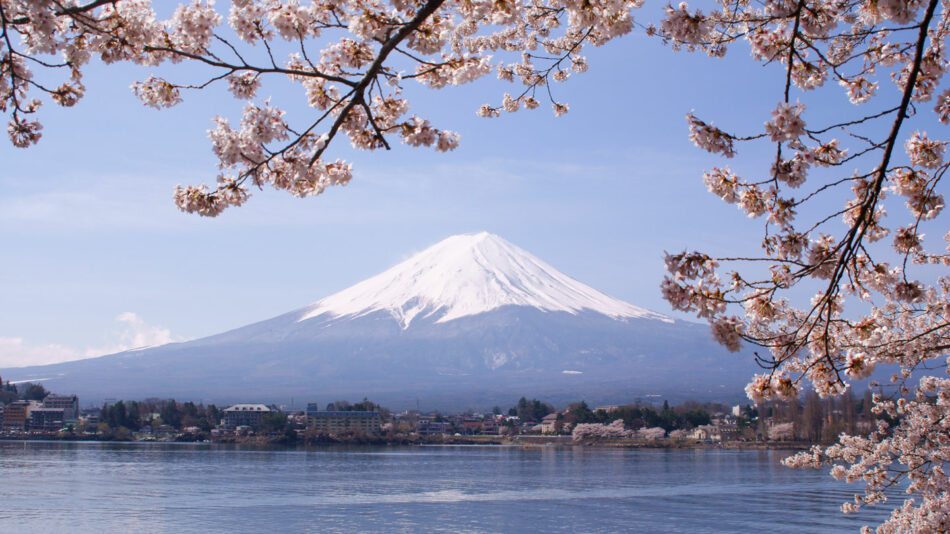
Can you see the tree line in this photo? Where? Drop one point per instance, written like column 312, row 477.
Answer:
column 814, row 419
column 25, row 391
column 134, row 415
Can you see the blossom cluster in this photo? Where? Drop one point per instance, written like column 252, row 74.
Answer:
column 917, row 443
column 615, row 430
column 782, row 432
column 867, row 311
column 593, row 431
column 342, row 59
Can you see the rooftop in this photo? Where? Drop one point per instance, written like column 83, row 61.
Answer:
column 248, row 408
column 352, row 413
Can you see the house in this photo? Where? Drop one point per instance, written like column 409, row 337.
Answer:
column 706, row 432
column 245, row 415
column 298, row 420
column 729, row 431
column 165, row 430
column 427, row 427
column 491, row 426
column 549, row 424
column 470, row 425
column 91, row 421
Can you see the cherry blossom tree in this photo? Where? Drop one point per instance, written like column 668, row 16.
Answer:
column 594, row 431
column 782, row 432
column 651, row 433
column 833, row 294
column 351, row 59
column 679, row 434
column 836, row 293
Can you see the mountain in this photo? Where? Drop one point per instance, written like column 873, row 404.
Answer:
column 466, row 275
column 471, row 321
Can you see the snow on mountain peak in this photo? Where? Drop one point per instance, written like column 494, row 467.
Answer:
column 469, row 274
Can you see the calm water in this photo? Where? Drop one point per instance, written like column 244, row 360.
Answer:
column 93, row 487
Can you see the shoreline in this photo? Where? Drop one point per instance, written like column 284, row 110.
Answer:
column 525, row 442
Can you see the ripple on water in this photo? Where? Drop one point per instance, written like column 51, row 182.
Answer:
column 95, row 488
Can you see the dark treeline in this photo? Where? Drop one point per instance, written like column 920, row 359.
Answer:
column 690, row 414
column 133, row 415
column 687, row 415
column 363, row 406
column 816, row 419
column 8, row 392
column 530, row 410
column 26, row 391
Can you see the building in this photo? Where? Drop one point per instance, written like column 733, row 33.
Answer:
column 16, row 415
column 68, row 403
column 312, row 409
column 347, row 421
column 165, row 430
column 706, row 433
column 91, row 417
column 549, row 424
column 245, row 415
column 729, row 431
column 470, row 425
column 491, row 426
column 426, row 427
column 44, row 419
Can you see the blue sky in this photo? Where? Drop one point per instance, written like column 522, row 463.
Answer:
column 97, row 258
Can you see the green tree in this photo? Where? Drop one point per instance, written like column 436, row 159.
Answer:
column 34, row 392
column 531, row 410
column 274, row 422
column 214, row 415
column 171, row 414
column 7, row 396
column 121, row 415
column 579, row 413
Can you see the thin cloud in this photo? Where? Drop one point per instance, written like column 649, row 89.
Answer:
column 15, row 352
column 133, row 333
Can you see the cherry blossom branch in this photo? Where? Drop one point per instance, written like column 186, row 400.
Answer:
column 427, row 9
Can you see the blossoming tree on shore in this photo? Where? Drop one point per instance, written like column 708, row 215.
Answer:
column 782, row 432
column 614, row 430
column 880, row 296
column 880, row 293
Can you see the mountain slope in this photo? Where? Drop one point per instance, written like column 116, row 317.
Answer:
column 470, row 321
column 467, row 275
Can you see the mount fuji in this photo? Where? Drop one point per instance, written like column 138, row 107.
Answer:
column 469, row 322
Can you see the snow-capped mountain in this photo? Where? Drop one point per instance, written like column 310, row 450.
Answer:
column 471, row 320
column 466, row 275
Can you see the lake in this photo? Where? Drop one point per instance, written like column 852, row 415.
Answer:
column 176, row 488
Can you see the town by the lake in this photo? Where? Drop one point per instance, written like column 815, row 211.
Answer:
column 29, row 411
